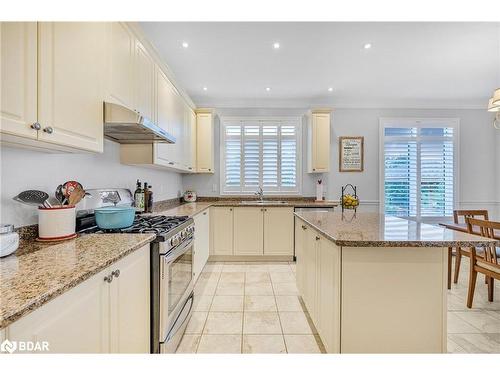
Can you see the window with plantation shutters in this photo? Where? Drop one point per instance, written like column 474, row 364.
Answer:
column 419, row 167
column 260, row 153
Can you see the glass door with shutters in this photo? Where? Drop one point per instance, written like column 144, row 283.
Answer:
column 419, row 167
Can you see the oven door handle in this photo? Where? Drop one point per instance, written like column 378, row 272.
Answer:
column 179, row 250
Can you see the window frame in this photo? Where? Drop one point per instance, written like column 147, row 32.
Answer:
column 222, row 161
column 420, row 122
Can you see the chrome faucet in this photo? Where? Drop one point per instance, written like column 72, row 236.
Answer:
column 260, row 193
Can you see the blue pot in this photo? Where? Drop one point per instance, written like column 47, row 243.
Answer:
column 114, row 217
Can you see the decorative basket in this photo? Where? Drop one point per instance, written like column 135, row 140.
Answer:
column 349, row 198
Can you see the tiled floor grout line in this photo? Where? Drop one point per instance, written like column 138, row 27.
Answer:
column 279, row 316
column 208, row 313
column 243, row 314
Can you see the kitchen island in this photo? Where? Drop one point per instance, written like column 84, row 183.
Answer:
column 374, row 283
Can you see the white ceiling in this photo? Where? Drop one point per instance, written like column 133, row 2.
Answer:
column 409, row 65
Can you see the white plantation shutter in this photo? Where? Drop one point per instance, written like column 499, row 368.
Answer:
column 260, row 153
column 400, row 180
column 419, row 170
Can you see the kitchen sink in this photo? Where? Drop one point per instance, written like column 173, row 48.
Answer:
column 263, row 203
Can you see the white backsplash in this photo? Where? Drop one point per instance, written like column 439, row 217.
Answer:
column 25, row 169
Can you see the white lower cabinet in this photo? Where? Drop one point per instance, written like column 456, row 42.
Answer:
column 201, row 241
column 248, row 231
column 278, row 231
column 96, row 316
column 130, row 304
column 221, row 230
column 318, row 281
column 75, row 322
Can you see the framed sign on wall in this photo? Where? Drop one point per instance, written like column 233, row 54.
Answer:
column 351, row 151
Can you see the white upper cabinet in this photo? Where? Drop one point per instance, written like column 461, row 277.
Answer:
column 71, row 70
column 204, row 141
column 121, row 65
column 144, row 82
column 164, row 153
column 319, row 141
column 18, row 61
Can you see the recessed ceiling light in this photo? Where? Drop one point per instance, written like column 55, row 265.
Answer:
column 268, row 89
column 367, row 46
column 205, row 88
column 276, row 45
column 185, row 44
column 330, row 89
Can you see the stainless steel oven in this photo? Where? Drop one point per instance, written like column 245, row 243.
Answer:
column 176, row 288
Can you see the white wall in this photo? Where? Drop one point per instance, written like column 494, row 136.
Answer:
column 24, row 169
column 479, row 154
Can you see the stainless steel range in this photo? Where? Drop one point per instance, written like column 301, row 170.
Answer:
column 171, row 265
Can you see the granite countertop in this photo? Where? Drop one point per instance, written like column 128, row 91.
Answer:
column 376, row 230
column 29, row 279
column 191, row 209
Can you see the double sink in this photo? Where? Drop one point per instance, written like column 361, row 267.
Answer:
column 263, row 202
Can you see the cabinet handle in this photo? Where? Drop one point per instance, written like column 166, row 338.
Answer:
column 230, row 209
column 116, row 273
column 48, row 130
column 317, row 238
column 304, row 227
column 171, row 162
column 204, row 213
column 314, row 169
column 265, row 209
column 109, row 278
column 210, row 170
column 36, row 126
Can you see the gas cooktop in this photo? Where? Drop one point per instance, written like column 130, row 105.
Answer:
column 163, row 226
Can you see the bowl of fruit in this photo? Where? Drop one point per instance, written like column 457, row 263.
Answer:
column 350, row 201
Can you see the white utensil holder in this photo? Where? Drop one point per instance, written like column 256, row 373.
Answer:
column 56, row 223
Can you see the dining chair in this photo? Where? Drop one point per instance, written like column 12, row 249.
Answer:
column 466, row 214
column 488, row 264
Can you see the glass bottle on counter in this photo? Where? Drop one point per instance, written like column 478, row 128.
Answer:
column 150, row 199
column 146, row 197
column 139, row 198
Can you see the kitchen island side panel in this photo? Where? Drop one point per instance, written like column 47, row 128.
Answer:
column 393, row 300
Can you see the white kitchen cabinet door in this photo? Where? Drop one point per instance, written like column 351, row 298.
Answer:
column 328, row 322
column 192, row 140
column 204, row 142
column 221, row 230
column 201, row 241
column 319, row 142
column 75, row 322
column 71, row 70
column 18, row 62
column 311, row 272
column 144, row 82
column 163, row 153
column 130, row 304
column 300, row 243
column 121, row 49
column 248, row 231
column 278, row 231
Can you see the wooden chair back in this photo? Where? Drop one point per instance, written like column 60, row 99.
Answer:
column 490, row 229
column 469, row 214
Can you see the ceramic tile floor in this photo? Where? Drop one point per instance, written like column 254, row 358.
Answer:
column 254, row 308
column 249, row 308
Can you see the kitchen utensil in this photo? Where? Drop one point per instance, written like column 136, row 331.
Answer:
column 9, row 240
column 114, row 217
column 69, row 186
column 32, row 197
column 76, row 196
column 59, row 195
column 56, row 223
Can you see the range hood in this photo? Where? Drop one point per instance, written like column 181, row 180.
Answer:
column 123, row 125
